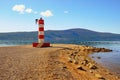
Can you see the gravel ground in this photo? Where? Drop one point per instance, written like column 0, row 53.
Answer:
column 28, row 63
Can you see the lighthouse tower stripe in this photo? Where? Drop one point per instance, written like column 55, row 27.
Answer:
column 41, row 31
column 41, row 28
column 41, row 36
column 41, row 25
column 41, row 40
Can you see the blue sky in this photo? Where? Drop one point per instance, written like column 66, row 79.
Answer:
column 97, row 15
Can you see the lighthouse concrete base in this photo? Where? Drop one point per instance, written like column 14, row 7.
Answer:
column 39, row 45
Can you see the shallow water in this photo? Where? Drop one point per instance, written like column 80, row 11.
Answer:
column 14, row 42
column 110, row 60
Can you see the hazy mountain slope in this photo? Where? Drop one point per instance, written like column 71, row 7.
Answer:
column 62, row 36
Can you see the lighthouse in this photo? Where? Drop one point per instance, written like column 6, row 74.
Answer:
column 41, row 36
column 40, row 30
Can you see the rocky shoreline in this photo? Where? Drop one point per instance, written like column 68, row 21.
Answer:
column 77, row 60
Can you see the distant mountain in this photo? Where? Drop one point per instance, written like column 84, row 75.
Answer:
column 63, row 36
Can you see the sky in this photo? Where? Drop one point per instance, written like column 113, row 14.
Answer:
column 96, row 15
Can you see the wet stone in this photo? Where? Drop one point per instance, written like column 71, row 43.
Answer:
column 98, row 57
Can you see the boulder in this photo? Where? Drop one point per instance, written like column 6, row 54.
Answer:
column 91, row 71
column 81, row 68
column 99, row 76
column 75, row 62
column 84, row 62
column 70, row 60
column 92, row 66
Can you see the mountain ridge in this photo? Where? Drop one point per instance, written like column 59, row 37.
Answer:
column 63, row 36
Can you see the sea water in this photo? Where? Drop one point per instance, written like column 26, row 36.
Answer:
column 14, row 42
column 110, row 60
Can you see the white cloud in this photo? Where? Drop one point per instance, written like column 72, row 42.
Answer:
column 46, row 13
column 19, row 8
column 66, row 12
column 28, row 10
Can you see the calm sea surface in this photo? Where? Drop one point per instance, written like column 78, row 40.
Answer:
column 14, row 42
column 111, row 60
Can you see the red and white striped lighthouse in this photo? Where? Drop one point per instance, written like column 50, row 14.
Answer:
column 41, row 31
column 40, row 42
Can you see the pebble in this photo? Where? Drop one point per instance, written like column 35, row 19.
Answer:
column 64, row 67
column 99, row 76
column 81, row 68
column 91, row 71
column 85, row 62
column 70, row 60
column 92, row 66
column 75, row 62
